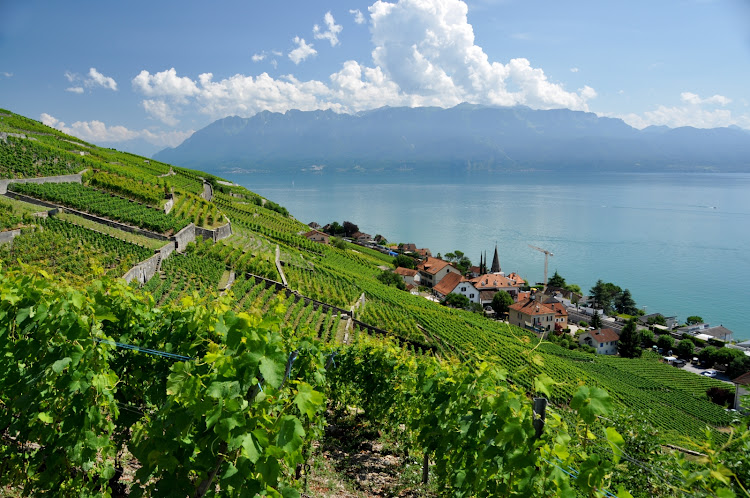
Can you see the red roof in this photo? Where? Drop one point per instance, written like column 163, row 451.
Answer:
column 559, row 308
column 494, row 281
column 405, row 272
column 743, row 379
column 531, row 307
column 448, row 283
column 432, row 265
column 603, row 335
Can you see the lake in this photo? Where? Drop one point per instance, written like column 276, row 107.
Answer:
column 679, row 242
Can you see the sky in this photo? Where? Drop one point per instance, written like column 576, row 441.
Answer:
column 144, row 75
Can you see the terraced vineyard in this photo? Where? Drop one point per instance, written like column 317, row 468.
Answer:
column 62, row 247
column 27, row 158
column 96, row 202
column 183, row 274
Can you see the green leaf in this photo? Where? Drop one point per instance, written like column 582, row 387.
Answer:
column 45, row 417
column 225, row 390
column 591, row 403
column 77, row 299
column 60, row 365
column 273, row 370
column 251, row 447
column 290, row 434
column 616, row 442
column 543, row 383
column 308, row 400
column 623, row 493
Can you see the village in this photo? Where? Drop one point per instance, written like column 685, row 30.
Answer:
column 563, row 315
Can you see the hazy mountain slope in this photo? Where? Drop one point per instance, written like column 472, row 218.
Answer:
column 465, row 137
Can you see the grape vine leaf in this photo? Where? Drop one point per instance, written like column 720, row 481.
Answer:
column 290, row 434
column 591, row 403
column 308, row 400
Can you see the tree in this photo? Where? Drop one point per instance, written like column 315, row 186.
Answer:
column 335, row 228
column 556, row 281
column 685, row 348
column 657, row 320
column 393, row 279
column 350, row 228
column 665, row 342
column 338, row 243
column 694, row 320
column 629, row 345
column 604, row 294
column 647, row 337
column 709, row 355
column 449, row 256
column 625, row 304
column 501, row 301
column 457, row 301
column 596, row 320
column 404, row 261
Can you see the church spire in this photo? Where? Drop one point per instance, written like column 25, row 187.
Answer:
column 495, row 262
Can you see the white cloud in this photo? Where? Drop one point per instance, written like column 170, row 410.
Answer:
column 96, row 131
column 161, row 111
column 302, row 52
column 359, row 18
column 93, row 79
column 424, row 53
column 573, row 69
column 6, row 74
column 165, row 83
column 693, row 98
column 97, row 78
column 333, row 30
column 258, row 57
column 693, row 114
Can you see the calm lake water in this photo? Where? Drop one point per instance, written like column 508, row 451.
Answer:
column 679, row 242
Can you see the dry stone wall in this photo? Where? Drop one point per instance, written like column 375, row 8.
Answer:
column 46, row 179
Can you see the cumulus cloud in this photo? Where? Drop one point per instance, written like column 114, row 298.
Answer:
column 359, row 18
column 96, row 131
column 93, row 79
column 302, row 52
column 698, row 112
column 258, row 57
column 160, row 110
column 573, row 69
column 424, row 53
column 165, row 83
column 332, row 31
column 694, row 98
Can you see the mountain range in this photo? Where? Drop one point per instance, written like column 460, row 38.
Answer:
column 459, row 139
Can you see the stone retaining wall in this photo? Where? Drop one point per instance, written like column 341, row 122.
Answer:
column 76, row 178
column 216, row 234
column 8, row 236
column 143, row 271
column 184, row 237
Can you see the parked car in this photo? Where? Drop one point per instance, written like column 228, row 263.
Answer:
column 709, row 373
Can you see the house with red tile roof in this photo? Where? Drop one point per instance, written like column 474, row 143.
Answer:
column 532, row 315
column 603, row 340
column 561, row 315
column 361, row 237
column 490, row 283
column 409, row 247
column 424, row 252
column 411, row 277
column 433, row 270
column 317, row 236
column 454, row 283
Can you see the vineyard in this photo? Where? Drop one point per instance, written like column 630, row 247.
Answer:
column 25, row 158
column 229, row 393
column 65, row 248
column 96, row 202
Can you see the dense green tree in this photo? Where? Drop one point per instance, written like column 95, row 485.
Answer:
column 709, row 355
column 647, row 337
column 450, row 257
column 685, row 348
column 657, row 320
column 457, row 301
column 394, row 279
column 501, row 301
column 556, row 281
column 629, row 345
column 738, row 366
column 404, row 261
column 625, row 304
column 350, row 228
column 604, row 294
column 694, row 320
column 665, row 342
column 596, row 320
column 338, row 243
column 335, row 228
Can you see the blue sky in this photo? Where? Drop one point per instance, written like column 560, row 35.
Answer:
column 143, row 75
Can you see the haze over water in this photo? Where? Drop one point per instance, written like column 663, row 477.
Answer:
column 679, row 242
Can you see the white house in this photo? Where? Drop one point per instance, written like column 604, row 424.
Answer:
column 603, row 340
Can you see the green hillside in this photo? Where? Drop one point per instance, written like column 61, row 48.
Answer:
column 216, row 378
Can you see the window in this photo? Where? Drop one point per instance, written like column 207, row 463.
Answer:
column 471, row 295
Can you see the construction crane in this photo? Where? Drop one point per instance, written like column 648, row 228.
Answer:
column 546, row 257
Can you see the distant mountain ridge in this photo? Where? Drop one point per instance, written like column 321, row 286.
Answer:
column 460, row 139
